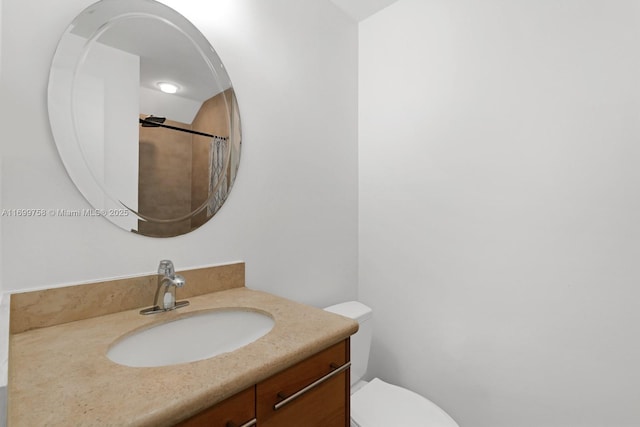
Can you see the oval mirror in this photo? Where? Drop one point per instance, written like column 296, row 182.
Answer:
column 144, row 117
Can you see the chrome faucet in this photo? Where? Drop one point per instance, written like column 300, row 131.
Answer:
column 168, row 282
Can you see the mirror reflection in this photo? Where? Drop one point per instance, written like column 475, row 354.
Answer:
column 145, row 117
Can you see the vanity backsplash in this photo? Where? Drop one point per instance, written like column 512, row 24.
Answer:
column 49, row 307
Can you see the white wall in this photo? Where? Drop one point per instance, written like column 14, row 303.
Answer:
column 4, row 315
column 292, row 214
column 499, row 206
column 107, row 91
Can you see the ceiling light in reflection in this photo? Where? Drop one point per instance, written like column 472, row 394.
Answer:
column 168, row 87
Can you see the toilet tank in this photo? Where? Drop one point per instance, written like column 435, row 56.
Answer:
column 361, row 340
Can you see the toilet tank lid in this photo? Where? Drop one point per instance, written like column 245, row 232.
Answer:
column 351, row 309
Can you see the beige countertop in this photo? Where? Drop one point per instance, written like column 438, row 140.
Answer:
column 60, row 375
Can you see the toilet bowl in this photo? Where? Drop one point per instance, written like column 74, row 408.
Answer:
column 377, row 403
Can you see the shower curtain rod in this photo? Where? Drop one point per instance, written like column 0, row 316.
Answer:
column 152, row 123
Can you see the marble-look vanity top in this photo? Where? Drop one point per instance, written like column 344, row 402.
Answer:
column 60, row 374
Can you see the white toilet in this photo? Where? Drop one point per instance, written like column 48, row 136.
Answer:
column 376, row 403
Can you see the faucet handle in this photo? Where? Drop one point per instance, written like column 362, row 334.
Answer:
column 179, row 281
column 166, row 268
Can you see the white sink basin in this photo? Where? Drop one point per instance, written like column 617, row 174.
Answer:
column 192, row 338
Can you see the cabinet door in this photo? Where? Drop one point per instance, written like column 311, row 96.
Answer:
column 236, row 411
column 313, row 393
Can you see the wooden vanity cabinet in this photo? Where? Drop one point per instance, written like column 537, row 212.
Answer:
column 312, row 393
column 236, row 411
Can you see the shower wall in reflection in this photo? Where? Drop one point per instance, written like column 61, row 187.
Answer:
column 175, row 169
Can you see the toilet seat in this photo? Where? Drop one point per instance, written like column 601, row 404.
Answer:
column 379, row 404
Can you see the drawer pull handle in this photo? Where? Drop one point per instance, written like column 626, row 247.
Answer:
column 247, row 424
column 314, row 384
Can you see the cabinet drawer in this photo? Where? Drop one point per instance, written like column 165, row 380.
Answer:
column 297, row 397
column 236, row 411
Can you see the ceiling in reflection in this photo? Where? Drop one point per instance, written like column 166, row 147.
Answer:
column 362, row 9
column 163, row 53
